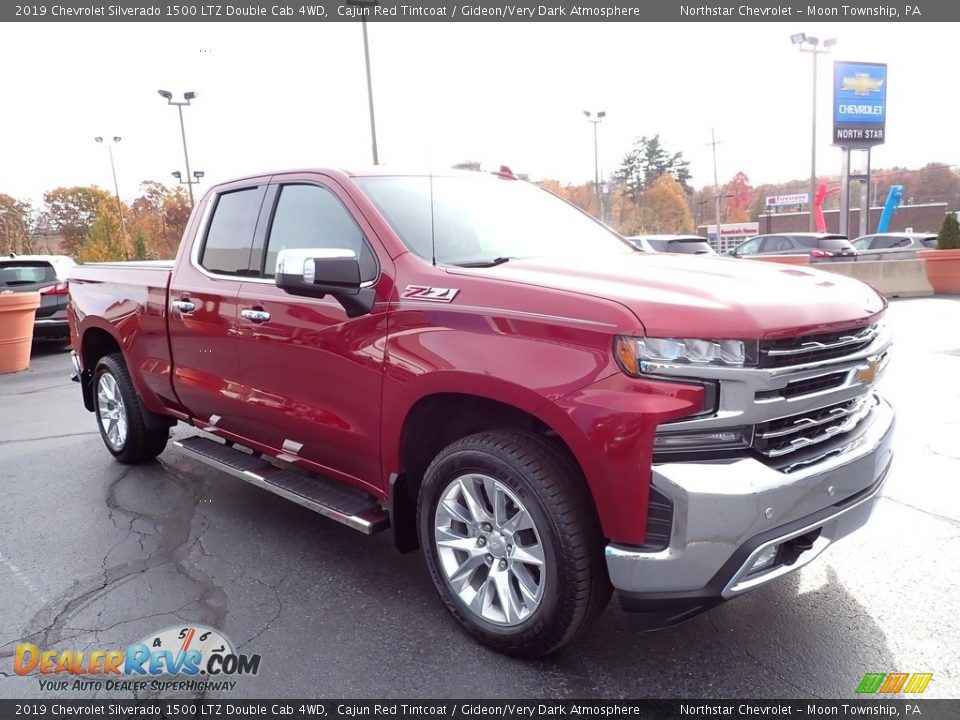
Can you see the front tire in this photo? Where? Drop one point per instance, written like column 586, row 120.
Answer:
column 120, row 414
column 511, row 541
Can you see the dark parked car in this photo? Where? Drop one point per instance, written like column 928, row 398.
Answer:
column 894, row 242
column 48, row 275
column 819, row 246
column 683, row 244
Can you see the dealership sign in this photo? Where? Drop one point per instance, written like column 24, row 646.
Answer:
column 859, row 104
column 781, row 200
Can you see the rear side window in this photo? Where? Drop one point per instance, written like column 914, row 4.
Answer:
column 14, row 273
column 689, row 247
column 930, row 242
column 806, row 242
column 230, row 234
column 835, row 244
column 310, row 216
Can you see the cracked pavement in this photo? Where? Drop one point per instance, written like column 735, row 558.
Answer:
column 97, row 555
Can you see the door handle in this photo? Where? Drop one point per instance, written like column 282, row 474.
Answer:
column 184, row 306
column 257, row 316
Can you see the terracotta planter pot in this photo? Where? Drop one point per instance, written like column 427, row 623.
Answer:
column 943, row 270
column 17, row 311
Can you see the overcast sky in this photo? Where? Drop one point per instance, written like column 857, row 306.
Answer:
column 276, row 95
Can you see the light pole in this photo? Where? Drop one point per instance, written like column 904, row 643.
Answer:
column 197, row 175
column 366, row 4
column 815, row 50
column 187, row 97
column 116, row 189
column 596, row 120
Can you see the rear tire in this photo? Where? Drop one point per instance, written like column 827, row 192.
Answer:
column 511, row 541
column 120, row 414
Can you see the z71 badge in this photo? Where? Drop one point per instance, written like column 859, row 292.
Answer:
column 421, row 292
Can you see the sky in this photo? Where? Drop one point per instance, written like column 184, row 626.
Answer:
column 273, row 96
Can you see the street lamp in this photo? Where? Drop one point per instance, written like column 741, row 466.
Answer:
column 366, row 57
column 802, row 39
column 187, row 97
column 596, row 163
column 197, row 174
column 116, row 189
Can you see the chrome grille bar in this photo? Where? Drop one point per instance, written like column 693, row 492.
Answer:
column 849, row 423
column 805, row 423
column 865, row 336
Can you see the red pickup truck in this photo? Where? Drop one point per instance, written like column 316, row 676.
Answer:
column 505, row 383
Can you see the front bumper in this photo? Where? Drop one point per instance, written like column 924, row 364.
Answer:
column 726, row 513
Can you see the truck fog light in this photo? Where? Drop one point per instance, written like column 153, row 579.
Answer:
column 726, row 439
column 765, row 559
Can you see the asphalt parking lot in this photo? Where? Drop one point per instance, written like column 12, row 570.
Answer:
column 94, row 554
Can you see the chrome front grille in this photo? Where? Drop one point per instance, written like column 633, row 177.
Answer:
column 786, row 435
column 815, row 348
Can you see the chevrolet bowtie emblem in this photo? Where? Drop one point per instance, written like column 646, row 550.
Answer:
column 862, row 84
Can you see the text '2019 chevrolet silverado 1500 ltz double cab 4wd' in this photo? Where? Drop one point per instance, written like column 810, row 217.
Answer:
column 506, row 383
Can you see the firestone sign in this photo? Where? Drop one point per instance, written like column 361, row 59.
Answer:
column 859, row 104
column 781, row 200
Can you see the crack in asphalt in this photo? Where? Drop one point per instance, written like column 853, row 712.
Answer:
column 945, row 518
column 174, row 524
column 20, row 441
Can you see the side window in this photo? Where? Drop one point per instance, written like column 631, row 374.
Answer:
column 771, row 244
column 806, row 242
column 864, row 242
column 885, row 243
column 309, row 216
column 749, row 247
column 780, row 244
column 226, row 249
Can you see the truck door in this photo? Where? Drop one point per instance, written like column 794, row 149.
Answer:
column 311, row 375
column 203, row 307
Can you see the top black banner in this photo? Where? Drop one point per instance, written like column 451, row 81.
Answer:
column 434, row 10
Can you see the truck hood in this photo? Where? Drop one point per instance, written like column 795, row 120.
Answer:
column 703, row 296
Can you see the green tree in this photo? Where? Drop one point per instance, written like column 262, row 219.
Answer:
column 141, row 250
column 646, row 162
column 103, row 242
column 949, row 236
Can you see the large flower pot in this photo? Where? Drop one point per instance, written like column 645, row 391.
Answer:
column 943, row 270
column 17, row 311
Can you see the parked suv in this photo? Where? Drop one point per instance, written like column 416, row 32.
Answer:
column 819, row 246
column 683, row 244
column 894, row 243
column 48, row 274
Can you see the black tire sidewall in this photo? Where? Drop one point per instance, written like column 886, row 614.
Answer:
column 541, row 625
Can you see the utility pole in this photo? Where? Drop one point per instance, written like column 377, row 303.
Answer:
column 116, row 188
column 596, row 120
column 716, row 186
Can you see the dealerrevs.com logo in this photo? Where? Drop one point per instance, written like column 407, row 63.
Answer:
column 199, row 658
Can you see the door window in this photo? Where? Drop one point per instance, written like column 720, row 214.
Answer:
column 749, row 247
column 310, row 216
column 777, row 244
column 226, row 250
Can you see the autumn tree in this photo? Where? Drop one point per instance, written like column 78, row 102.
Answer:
column 70, row 212
column 103, row 241
column 160, row 214
column 739, row 195
column 646, row 162
column 15, row 236
column 665, row 207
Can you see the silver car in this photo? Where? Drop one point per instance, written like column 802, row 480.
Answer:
column 684, row 244
column 894, row 244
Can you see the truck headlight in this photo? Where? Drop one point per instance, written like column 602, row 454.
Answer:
column 633, row 352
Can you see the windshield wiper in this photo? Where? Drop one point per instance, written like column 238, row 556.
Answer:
column 485, row 263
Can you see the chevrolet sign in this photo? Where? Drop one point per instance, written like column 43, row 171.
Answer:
column 859, row 104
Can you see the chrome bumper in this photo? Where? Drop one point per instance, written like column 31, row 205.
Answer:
column 727, row 512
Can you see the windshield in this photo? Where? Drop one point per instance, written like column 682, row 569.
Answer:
column 484, row 219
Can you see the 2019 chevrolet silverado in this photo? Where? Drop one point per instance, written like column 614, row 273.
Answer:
column 505, row 383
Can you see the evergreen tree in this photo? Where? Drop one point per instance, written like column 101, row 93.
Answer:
column 949, row 236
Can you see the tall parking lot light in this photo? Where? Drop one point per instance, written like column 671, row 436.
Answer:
column 596, row 120
column 116, row 189
column 187, row 97
column 802, row 39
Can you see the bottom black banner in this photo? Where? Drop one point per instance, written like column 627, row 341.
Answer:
column 477, row 709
